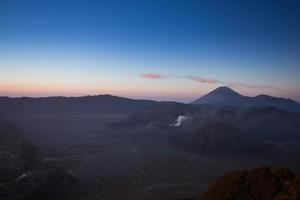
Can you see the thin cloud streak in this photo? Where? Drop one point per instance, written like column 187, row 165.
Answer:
column 199, row 79
column 250, row 86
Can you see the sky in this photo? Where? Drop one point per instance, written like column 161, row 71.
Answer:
column 149, row 49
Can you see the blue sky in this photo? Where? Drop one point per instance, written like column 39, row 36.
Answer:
column 93, row 47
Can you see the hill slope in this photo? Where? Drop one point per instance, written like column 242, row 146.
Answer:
column 220, row 139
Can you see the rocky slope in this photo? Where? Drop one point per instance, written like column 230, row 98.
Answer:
column 23, row 176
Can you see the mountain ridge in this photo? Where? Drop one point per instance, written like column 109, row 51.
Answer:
column 226, row 96
column 60, row 104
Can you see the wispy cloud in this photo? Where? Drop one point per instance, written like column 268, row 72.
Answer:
column 200, row 79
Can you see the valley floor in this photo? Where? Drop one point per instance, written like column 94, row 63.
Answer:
column 118, row 164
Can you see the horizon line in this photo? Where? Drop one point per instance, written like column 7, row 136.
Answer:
column 147, row 98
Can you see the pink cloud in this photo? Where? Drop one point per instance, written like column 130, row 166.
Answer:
column 153, row 76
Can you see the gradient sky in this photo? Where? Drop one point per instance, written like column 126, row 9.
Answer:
column 163, row 50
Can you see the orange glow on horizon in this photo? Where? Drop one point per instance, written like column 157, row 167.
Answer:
column 36, row 90
column 32, row 89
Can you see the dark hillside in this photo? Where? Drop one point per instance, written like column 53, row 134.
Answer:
column 262, row 183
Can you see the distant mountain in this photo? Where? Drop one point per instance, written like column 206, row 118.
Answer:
column 261, row 183
column 227, row 96
column 86, row 104
column 220, row 139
